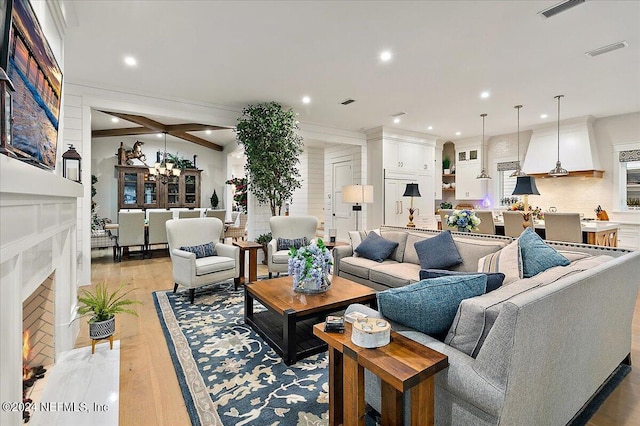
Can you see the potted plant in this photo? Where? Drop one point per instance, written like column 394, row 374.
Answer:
column 214, row 200
column 103, row 305
column 446, row 163
column 267, row 133
column 264, row 240
column 309, row 266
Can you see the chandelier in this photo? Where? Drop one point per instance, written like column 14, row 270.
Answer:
column 164, row 170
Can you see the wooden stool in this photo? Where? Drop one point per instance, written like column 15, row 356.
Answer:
column 93, row 343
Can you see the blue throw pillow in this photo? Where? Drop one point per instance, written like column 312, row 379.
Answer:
column 537, row 256
column 202, row 250
column 286, row 243
column 375, row 247
column 439, row 252
column 494, row 279
column 430, row 306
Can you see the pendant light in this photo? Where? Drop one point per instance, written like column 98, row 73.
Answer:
column 558, row 170
column 518, row 171
column 483, row 174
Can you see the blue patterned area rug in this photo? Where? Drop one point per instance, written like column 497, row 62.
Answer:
column 228, row 374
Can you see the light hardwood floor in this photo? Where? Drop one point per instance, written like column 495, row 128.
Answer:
column 149, row 390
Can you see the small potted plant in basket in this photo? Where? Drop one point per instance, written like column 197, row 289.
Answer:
column 464, row 220
column 103, row 305
column 309, row 266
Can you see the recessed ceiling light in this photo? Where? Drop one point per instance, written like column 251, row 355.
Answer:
column 159, row 135
column 485, row 95
column 458, row 133
column 430, row 128
column 208, row 132
column 114, row 119
column 385, row 56
column 130, row 61
column 396, row 120
column 306, row 100
column 543, row 115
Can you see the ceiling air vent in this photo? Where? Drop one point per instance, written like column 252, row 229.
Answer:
column 398, row 114
column 348, row 101
column 606, row 49
column 560, row 7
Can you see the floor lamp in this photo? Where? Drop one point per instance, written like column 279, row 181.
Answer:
column 526, row 185
column 357, row 194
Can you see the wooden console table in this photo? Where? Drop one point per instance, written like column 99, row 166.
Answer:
column 401, row 365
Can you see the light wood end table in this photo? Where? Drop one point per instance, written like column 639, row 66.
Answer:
column 403, row 364
column 252, row 248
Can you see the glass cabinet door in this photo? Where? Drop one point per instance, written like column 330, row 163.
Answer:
column 150, row 191
column 173, row 191
column 190, row 189
column 130, row 190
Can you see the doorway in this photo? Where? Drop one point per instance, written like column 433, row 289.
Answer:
column 341, row 212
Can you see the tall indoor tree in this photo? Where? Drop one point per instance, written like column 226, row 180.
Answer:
column 267, row 133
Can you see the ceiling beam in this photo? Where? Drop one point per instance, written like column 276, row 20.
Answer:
column 138, row 119
column 128, row 131
column 196, row 140
column 193, row 127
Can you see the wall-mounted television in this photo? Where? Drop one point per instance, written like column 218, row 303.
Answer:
column 32, row 68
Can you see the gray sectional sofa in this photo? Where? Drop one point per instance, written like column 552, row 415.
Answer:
column 532, row 352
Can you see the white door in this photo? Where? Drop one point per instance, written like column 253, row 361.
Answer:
column 341, row 212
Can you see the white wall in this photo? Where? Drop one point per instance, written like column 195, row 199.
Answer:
column 104, row 160
column 308, row 200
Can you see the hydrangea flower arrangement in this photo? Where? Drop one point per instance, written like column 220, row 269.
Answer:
column 309, row 266
column 463, row 219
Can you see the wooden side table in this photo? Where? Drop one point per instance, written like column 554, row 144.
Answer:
column 252, row 248
column 401, row 365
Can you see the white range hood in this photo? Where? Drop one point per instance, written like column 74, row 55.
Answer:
column 578, row 150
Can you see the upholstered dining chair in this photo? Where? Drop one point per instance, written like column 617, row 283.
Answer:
column 189, row 214
column 220, row 214
column 291, row 228
column 487, row 226
column 193, row 270
column 237, row 231
column 130, row 231
column 443, row 218
column 563, row 227
column 157, row 231
column 513, row 223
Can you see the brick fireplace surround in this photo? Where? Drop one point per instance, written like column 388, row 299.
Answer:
column 38, row 227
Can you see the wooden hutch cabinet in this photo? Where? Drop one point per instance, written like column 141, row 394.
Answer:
column 137, row 189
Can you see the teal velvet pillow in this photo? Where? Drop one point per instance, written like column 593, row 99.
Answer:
column 375, row 247
column 537, row 256
column 439, row 252
column 430, row 305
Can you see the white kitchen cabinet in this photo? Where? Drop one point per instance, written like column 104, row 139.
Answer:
column 629, row 236
column 407, row 156
column 437, row 180
column 393, row 202
column 467, row 186
column 396, row 207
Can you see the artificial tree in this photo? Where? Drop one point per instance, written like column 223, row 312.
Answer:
column 267, row 134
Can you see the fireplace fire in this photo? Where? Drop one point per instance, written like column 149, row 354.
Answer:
column 29, row 376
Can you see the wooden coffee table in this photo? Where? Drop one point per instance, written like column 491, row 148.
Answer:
column 401, row 365
column 287, row 324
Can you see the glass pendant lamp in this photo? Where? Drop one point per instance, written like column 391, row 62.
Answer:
column 558, row 170
column 483, row 173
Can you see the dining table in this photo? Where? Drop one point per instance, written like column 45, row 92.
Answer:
column 594, row 232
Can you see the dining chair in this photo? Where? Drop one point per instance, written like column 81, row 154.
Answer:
column 189, row 214
column 191, row 271
column 220, row 214
column 130, row 231
column 563, row 227
column 513, row 223
column 157, row 231
column 443, row 218
column 487, row 226
column 291, row 228
column 237, row 231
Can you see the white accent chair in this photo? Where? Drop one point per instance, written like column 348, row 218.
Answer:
column 563, row 227
column 513, row 223
column 191, row 272
column 130, row 231
column 157, row 227
column 486, row 222
column 289, row 227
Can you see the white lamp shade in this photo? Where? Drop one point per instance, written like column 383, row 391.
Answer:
column 357, row 194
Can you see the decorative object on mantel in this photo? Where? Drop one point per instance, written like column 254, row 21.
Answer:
column 309, row 266
column 103, row 306
column 526, row 185
column 483, row 173
column 465, row 220
column 518, row 171
column 558, row 170
column 411, row 191
column 165, row 169
column 358, row 194
column 72, row 165
column 371, row 332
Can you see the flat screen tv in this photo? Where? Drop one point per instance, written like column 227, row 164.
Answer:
column 29, row 62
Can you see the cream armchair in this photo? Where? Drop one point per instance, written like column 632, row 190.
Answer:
column 289, row 227
column 192, row 272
